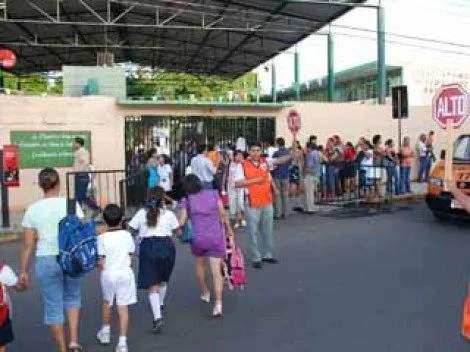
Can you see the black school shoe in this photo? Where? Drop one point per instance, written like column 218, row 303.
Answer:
column 271, row 260
column 157, row 326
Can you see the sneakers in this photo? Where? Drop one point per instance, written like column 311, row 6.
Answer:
column 243, row 223
column 217, row 311
column 104, row 337
column 236, row 226
column 122, row 347
column 206, row 298
column 157, row 326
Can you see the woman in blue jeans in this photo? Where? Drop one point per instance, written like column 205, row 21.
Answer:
column 59, row 292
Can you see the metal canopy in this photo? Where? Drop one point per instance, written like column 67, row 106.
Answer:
column 226, row 37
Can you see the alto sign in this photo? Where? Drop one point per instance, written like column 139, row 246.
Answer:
column 451, row 102
column 293, row 121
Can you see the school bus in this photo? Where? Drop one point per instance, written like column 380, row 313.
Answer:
column 440, row 202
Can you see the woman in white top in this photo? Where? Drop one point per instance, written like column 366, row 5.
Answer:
column 236, row 196
column 166, row 173
column 60, row 292
column 155, row 227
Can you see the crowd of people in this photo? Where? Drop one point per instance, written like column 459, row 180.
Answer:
column 255, row 183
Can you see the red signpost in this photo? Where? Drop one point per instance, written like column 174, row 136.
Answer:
column 451, row 102
column 7, row 58
column 11, row 166
column 294, row 121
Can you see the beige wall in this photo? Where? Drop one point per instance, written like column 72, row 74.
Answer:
column 105, row 119
column 97, row 114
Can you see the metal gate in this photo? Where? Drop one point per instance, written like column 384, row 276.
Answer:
column 146, row 132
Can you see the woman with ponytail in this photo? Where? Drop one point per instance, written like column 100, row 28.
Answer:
column 155, row 227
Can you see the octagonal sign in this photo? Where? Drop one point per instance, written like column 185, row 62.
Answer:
column 451, row 102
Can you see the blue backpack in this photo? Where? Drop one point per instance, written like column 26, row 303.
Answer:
column 78, row 252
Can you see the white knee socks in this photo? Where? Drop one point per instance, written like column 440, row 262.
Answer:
column 162, row 295
column 154, row 299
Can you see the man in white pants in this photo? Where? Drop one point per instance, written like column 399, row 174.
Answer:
column 311, row 177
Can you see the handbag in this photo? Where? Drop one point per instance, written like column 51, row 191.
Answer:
column 188, row 231
column 466, row 318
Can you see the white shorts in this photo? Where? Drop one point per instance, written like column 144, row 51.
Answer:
column 119, row 285
column 236, row 200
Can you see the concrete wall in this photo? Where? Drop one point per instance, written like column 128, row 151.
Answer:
column 105, row 119
column 98, row 114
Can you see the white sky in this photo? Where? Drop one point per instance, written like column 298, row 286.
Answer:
column 444, row 20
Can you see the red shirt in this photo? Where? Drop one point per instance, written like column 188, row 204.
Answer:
column 349, row 154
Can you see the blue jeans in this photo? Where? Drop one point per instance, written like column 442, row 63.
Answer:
column 405, row 186
column 392, row 179
column 423, row 168
column 260, row 221
column 81, row 185
column 58, row 290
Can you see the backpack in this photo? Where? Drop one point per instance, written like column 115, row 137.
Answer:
column 4, row 307
column 234, row 266
column 78, row 252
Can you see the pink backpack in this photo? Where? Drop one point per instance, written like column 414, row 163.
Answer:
column 234, row 268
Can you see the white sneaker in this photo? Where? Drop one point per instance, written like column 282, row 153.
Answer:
column 122, row 347
column 104, row 337
column 236, row 226
column 206, row 298
column 243, row 223
column 217, row 311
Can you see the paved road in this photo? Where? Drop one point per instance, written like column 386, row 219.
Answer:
column 391, row 282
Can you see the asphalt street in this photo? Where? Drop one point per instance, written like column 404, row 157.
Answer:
column 391, row 282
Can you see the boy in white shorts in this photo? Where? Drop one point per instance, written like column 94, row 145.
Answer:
column 115, row 248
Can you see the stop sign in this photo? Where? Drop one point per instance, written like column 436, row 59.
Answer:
column 7, row 58
column 451, row 102
column 293, row 121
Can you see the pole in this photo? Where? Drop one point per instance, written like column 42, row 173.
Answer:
column 331, row 68
column 4, row 197
column 448, row 174
column 399, row 119
column 273, row 82
column 296, row 75
column 381, row 73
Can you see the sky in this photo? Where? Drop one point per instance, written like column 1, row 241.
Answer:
column 434, row 20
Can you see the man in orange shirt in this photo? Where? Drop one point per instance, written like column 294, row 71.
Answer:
column 259, row 210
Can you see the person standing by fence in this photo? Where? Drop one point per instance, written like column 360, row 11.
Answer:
column 312, row 170
column 406, row 156
column 390, row 163
column 281, row 179
column 82, row 168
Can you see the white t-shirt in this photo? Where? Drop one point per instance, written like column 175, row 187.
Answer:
column 8, row 278
column 44, row 216
column 165, row 172
column 235, row 174
column 166, row 224
column 116, row 247
column 241, row 144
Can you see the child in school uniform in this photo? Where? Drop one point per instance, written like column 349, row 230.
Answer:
column 7, row 279
column 155, row 225
column 115, row 248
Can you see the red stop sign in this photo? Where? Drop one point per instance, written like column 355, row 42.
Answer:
column 451, row 102
column 7, row 58
column 293, row 121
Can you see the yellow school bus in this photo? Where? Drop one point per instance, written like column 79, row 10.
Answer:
column 441, row 203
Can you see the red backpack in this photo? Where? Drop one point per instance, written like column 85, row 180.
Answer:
column 4, row 307
column 234, row 266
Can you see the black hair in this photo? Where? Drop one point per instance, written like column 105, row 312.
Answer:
column 280, row 142
column 256, row 144
column 80, row 141
column 112, row 215
column 236, row 152
column 389, row 142
column 376, row 138
column 192, row 184
column 201, row 148
column 155, row 199
column 48, row 178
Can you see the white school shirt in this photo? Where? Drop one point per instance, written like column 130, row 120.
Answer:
column 8, row 279
column 166, row 224
column 116, row 247
column 44, row 216
column 166, row 174
column 235, row 174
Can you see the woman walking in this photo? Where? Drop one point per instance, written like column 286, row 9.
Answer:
column 157, row 251
column 207, row 214
column 59, row 291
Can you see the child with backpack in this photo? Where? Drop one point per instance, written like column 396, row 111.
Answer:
column 7, row 279
column 155, row 226
column 115, row 248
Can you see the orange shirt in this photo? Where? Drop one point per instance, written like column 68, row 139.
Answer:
column 212, row 156
column 260, row 195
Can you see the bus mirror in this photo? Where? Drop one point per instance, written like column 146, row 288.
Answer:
column 443, row 154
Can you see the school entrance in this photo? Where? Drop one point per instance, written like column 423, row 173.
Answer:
column 166, row 133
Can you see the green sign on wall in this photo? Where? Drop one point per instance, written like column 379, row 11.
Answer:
column 40, row 149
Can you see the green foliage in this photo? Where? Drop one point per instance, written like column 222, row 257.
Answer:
column 32, row 83
column 184, row 86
